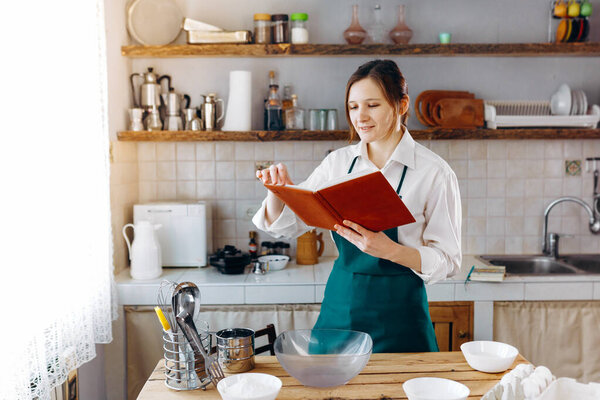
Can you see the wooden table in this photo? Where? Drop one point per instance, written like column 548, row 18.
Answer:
column 382, row 378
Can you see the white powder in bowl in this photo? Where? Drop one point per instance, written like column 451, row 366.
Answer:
column 247, row 387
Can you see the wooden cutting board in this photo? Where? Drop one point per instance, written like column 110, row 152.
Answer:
column 458, row 113
column 428, row 98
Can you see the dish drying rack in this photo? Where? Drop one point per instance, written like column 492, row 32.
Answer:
column 513, row 114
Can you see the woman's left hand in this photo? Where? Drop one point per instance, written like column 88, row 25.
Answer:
column 377, row 244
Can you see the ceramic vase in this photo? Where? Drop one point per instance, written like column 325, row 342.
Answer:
column 355, row 34
column 401, row 34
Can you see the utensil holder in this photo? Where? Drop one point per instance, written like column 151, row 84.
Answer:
column 184, row 370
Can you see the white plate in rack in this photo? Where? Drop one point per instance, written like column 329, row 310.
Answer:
column 494, row 121
column 154, row 22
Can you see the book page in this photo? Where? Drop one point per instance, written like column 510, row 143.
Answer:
column 345, row 178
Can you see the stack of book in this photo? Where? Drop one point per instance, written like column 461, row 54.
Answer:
column 487, row 273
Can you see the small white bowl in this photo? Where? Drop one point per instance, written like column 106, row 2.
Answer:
column 249, row 386
column 561, row 101
column 274, row 262
column 488, row 356
column 435, row 389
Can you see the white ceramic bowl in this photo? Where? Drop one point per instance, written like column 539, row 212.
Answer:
column 488, row 356
column 561, row 101
column 435, row 389
column 274, row 262
column 249, row 386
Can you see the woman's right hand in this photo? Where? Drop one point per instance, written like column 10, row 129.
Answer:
column 276, row 174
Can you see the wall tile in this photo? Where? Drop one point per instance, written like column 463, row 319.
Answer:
column 535, row 149
column 225, row 209
column 205, row 151
column 515, row 150
column 495, row 245
column 441, row 148
column 496, row 168
column 477, row 168
column 514, row 207
column 303, row 169
column 147, row 171
column 165, row 171
column 226, row 229
column 284, row 151
column 225, row 190
column 186, row 151
column 553, row 187
column 225, row 170
column 148, row 192
column 165, row 151
column 458, row 150
column 513, row 226
column 495, row 226
column 516, row 168
column 515, row 187
column 554, row 168
column 303, row 150
column 533, row 225
column 496, row 207
column 205, row 190
column 477, row 150
column 244, row 170
column 496, row 188
column 166, row 190
column 513, row 244
column 573, row 149
column 186, row 170
column 532, row 245
column 477, row 188
column 534, row 187
column 572, row 186
column 146, row 151
column 476, row 244
column 264, row 151
column 186, row 190
column 244, row 189
column 205, row 170
column 322, row 149
column 244, row 151
column 460, row 168
column 553, row 149
column 476, row 226
column 476, row 208
column 224, row 151
column 496, row 150
column 534, row 206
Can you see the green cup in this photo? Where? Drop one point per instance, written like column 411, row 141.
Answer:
column 445, row 37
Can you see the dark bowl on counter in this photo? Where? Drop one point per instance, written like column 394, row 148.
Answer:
column 230, row 260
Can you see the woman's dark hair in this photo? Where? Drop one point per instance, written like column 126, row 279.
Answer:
column 391, row 81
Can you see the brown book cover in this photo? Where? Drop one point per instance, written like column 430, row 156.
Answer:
column 367, row 199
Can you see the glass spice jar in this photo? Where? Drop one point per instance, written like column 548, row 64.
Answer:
column 299, row 29
column 262, row 28
column 280, row 28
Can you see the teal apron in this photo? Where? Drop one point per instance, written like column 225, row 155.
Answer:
column 377, row 296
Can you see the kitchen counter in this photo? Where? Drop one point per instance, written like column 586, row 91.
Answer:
column 381, row 378
column 306, row 284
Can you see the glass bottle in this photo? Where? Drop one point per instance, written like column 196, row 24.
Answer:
column 377, row 31
column 401, row 34
column 253, row 246
column 265, row 248
column 294, row 116
column 273, row 117
column 355, row 34
column 286, row 103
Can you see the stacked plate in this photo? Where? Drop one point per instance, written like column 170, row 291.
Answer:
column 568, row 102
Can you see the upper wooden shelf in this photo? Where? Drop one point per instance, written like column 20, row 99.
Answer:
column 433, row 134
column 457, row 49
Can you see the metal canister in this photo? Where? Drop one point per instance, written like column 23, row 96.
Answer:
column 235, row 348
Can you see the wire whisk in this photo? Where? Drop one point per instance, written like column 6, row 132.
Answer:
column 163, row 300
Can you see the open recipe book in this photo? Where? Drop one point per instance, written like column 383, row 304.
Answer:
column 365, row 198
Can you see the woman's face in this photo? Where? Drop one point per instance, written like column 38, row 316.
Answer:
column 369, row 111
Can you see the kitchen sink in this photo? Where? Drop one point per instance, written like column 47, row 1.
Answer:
column 531, row 264
column 589, row 263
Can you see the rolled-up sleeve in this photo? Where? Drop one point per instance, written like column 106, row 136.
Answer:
column 288, row 225
column 441, row 254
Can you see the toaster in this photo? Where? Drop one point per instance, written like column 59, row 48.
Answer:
column 185, row 234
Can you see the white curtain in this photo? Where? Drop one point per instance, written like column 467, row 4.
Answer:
column 57, row 291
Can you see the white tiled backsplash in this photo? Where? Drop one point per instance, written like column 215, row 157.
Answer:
column 505, row 186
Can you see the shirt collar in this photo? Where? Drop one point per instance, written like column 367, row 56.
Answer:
column 404, row 153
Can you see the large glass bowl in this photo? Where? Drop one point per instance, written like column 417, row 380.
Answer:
column 323, row 357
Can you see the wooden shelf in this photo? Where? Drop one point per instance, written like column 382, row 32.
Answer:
column 275, row 50
column 432, row 134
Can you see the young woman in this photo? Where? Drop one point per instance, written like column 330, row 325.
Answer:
column 377, row 282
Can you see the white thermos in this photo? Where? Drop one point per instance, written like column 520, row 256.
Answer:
column 144, row 252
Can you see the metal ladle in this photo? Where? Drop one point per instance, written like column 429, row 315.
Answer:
column 186, row 297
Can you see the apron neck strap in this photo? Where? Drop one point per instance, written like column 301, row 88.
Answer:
column 401, row 179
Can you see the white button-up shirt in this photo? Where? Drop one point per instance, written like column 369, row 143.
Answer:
column 430, row 191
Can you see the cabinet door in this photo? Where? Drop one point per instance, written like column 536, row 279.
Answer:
column 452, row 322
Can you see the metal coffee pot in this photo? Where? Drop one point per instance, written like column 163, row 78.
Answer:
column 149, row 90
column 192, row 122
column 173, row 100
column 209, row 111
column 152, row 122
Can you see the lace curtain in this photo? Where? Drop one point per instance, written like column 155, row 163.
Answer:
column 57, row 292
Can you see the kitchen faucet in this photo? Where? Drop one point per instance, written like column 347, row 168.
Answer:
column 550, row 241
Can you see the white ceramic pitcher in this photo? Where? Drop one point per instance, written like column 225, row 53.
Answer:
column 144, row 252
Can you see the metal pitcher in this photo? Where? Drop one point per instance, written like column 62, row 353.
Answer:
column 209, row 111
column 149, row 89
